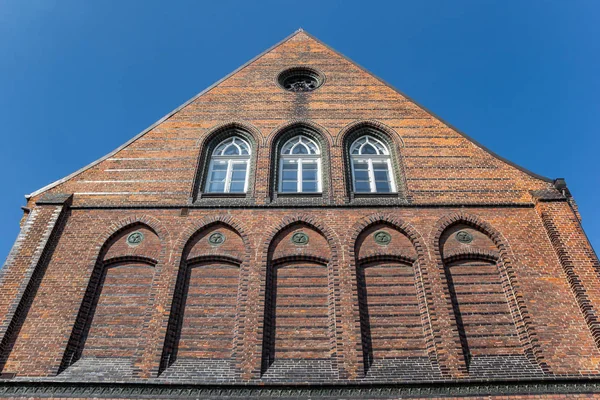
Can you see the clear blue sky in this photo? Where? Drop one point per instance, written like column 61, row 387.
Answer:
column 79, row 78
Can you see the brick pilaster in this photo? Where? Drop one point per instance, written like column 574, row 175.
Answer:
column 25, row 266
column 577, row 258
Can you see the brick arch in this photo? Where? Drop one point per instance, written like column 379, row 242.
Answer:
column 172, row 312
column 211, row 138
column 341, row 136
column 421, row 272
column 186, row 236
column 525, row 329
column 229, row 125
column 306, row 219
column 332, row 277
column 119, row 226
column 387, row 135
column 270, row 139
column 288, row 130
column 96, row 266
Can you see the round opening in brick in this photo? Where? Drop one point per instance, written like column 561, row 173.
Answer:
column 135, row 238
column 300, row 79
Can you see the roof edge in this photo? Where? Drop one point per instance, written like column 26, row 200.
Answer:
column 477, row 143
column 163, row 119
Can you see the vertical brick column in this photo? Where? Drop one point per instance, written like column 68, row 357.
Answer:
column 25, row 266
column 578, row 260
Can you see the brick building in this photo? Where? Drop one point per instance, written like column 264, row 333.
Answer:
column 300, row 228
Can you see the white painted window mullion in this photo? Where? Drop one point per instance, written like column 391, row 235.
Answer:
column 228, row 175
column 371, row 176
column 299, row 184
column 247, row 176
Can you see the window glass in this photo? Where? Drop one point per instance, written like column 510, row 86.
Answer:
column 371, row 163
column 300, row 166
column 228, row 169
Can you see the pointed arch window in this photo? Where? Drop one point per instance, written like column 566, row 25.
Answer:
column 229, row 166
column 300, row 166
column 371, row 166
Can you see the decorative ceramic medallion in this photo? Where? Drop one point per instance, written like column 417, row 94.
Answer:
column 300, row 238
column 135, row 238
column 464, row 237
column 382, row 238
column 216, row 239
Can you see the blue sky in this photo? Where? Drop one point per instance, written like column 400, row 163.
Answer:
column 79, row 78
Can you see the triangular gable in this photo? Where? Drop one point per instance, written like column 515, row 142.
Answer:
column 216, row 84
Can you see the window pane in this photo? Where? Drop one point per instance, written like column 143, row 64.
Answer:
column 219, row 166
column 310, row 175
column 290, row 186
column 361, row 165
column 309, row 186
column 361, row 186
column 309, row 171
column 368, row 149
column 218, row 176
column 237, row 187
column 382, row 187
column 290, row 165
column 238, row 176
column 300, row 149
column 216, row 187
column 231, row 151
column 361, row 175
column 380, row 165
column 289, row 175
column 381, row 175
column 239, row 172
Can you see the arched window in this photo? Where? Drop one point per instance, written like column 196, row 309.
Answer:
column 300, row 166
column 228, row 170
column 371, row 166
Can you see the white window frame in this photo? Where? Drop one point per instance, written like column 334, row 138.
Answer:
column 231, row 160
column 370, row 158
column 300, row 160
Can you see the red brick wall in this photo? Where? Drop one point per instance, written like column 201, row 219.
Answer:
column 438, row 164
column 342, row 307
column 534, row 271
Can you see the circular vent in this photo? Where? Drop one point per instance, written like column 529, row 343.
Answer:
column 300, row 79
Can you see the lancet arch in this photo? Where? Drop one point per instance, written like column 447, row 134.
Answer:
column 395, row 330
column 299, row 333
column 319, row 165
column 248, row 135
column 481, row 286
column 117, row 302
column 204, row 318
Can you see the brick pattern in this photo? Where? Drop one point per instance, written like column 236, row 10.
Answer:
column 24, row 268
column 577, row 258
column 78, row 303
column 487, row 331
column 409, row 251
column 391, row 324
column 118, row 314
column 165, row 166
